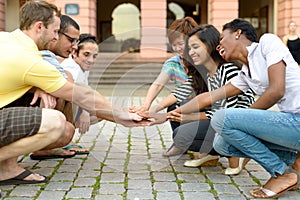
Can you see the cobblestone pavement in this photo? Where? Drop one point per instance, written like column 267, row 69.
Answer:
column 126, row 163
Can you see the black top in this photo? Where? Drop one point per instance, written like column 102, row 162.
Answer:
column 294, row 47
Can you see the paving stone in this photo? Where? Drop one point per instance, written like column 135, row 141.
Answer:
column 108, row 197
column 139, row 184
column 138, row 175
column 165, row 186
column 72, row 161
column 161, row 176
column 137, row 167
column 48, row 163
column 219, row 178
column 195, row 187
column 88, row 173
column 180, row 168
column 168, row 195
column 198, row 195
column 197, row 178
column 121, row 156
column 111, row 189
column 115, row 161
column 140, row 194
column 262, row 175
column 244, row 181
column 83, row 192
column 63, row 177
column 25, row 191
column 226, row 188
column 5, row 189
column 68, row 168
column 53, row 195
column 112, row 177
column 57, row 186
column 85, row 182
column 290, row 195
column 113, row 168
column 158, row 164
column 231, row 196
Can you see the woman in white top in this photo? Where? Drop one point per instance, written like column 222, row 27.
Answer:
column 270, row 138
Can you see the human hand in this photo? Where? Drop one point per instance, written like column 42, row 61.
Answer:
column 47, row 100
column 175, row 116
column 83, row 122
column 155, row 118
column 137, row 109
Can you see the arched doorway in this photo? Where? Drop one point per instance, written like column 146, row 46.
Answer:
column 126, row 26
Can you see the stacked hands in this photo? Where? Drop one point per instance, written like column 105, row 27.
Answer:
column 157, row 118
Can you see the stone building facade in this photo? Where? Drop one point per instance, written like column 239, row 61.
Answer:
column 98, row 16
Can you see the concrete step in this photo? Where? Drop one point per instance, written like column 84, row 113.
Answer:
column 116, row 68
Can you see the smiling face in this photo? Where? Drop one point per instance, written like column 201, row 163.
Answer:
column 228, row 42
column 197, row 50
column 86, row 56
column 178, row 45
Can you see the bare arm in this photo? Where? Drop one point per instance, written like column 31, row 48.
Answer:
column 178, row 117
column 284, row 40
column 92, row 101
column 276, row 88
column 166, row 102
column 208, row 98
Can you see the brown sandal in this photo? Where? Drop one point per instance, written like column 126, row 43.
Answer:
column 266, row 193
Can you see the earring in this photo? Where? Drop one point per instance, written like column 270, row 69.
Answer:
column 236, row 37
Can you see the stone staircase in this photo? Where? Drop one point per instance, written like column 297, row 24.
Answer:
column 125, row 68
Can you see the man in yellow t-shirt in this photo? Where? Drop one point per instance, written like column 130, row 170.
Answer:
column 22, row 69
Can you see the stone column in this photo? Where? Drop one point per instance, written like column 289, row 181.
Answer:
column 153, row 28
column 87, row 14
column 222, row 11
column 287, row 10
column 2, row 15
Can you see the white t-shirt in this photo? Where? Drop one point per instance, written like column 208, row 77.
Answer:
column 79, row 76
column 270, row 50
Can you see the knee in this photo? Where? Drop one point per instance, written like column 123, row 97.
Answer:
column 217, row 121
column 67, row 136
column 54, row 124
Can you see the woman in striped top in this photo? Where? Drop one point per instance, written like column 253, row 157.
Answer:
column 209, row 70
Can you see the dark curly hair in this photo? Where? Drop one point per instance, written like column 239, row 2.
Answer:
column 246, row 27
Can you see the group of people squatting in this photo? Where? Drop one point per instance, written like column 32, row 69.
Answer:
column 226, row 84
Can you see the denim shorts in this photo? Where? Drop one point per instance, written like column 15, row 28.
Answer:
column 19, row 122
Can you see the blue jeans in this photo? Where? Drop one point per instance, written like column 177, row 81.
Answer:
column 271, row 138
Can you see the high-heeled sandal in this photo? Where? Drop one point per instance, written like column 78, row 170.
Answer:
column 266, row 193
column 207, row 160
column 237, row 170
